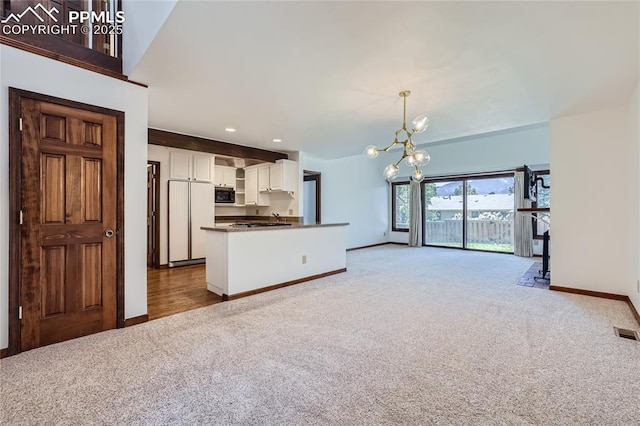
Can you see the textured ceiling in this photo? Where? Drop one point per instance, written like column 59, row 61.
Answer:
column 324, row 76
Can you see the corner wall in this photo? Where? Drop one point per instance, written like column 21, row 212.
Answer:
column 143, row 20
column 34, row 73
column 634, row 133
column 353, row 191
column 593, row 201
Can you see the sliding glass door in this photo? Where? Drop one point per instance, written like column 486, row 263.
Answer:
column 443, row 205
column 472, row 213
column 489, row 215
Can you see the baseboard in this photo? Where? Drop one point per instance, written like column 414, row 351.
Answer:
column 634, row 311
column 136, row 320
column 226, row 297
column 600, row 294
column 589, row 293
column 369, row 246
column 4, row 353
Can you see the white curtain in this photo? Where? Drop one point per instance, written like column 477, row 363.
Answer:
column 415, row 214
column 522, row 228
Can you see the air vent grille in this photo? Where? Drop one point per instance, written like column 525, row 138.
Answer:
column 626, row 333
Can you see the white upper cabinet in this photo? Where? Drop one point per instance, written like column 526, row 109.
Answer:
column 202, row 166
column 263, row 178
column 276, row 177
column 225, row 176
column 252, row 196
column 190, row 166
column 281, row 176
column 180, row 165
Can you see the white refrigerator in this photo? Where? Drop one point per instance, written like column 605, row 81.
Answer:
column 191, row 205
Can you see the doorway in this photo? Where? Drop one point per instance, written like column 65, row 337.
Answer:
column 153, row 214
column 311, row 198
column 66, row 204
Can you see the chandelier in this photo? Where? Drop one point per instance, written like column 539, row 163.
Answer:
column 412, row 157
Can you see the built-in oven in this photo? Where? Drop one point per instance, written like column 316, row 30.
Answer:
column 225, row 196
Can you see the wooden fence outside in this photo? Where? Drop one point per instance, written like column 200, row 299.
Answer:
column 478, row 231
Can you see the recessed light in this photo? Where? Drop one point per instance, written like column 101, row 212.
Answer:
column 277, row 140
column 229, row 129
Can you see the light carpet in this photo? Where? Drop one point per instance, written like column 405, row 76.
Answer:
column 406, row 336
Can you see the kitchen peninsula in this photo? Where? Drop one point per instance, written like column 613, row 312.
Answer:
column 248, row 258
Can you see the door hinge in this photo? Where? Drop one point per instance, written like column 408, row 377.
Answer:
column 20, row 123
column 21, row 218
column 20, row 312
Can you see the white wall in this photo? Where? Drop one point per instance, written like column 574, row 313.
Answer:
column 634, row 132
column 483, row 153
column 590, row 169
column 26, row 71
column 143, row 20
column 353, row 191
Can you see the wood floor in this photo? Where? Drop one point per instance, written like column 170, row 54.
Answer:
column 174, row 290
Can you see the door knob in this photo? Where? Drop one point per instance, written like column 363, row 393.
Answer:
column 109, row 233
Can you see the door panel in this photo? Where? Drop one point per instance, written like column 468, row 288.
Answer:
column 202, row 214
column 92, row 193
column 92, row 275
column 53, row 280
column 178, row 221
column 53, row 128
column 68, row 278
column 53, row 190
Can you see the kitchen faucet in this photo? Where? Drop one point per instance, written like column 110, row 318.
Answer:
column 277, row 216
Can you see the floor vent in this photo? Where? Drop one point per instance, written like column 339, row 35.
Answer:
column 626, row 334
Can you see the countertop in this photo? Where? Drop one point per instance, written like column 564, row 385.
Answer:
column 231, row 228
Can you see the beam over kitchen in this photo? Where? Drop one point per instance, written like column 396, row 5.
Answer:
column 194, row 143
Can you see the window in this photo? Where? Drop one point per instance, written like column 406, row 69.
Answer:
column 474, row 212
column 400, row 206
column 543, row 178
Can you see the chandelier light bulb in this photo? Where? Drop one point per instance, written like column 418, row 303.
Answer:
column 417, row 175
column 421, row 157
column 391, row 172
column 371, row 151
column 420, row 124
column 410, row 160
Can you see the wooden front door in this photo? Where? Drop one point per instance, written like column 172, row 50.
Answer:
column 69, row 205
column 153, row 222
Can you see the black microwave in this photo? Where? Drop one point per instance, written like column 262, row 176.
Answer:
column 225, row 195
